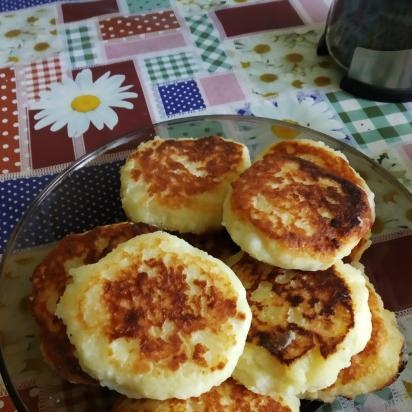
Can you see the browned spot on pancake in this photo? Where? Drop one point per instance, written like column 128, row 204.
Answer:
column 318, row 155
column 219, row 366
column 286, row 344
column 137, row 302
column 360, row 363
column 227, row 397
column 136, row 174
column 49, row 281
column 300, row 189
column 171, row 181
column 366, row 363
column 322, row 298
column 198, row 353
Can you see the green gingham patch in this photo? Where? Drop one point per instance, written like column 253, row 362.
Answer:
column 171, row 67
column 370, row 122
column 208, row 43
column 81, row 41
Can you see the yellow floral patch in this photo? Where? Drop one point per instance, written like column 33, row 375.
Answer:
column 27, row 34
column 288, row 58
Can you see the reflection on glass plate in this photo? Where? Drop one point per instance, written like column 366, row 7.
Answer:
column 87, row 195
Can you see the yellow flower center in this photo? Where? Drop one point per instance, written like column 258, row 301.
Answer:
column 297, row 84
column 41, row 46
column 268, row 77
column 322, row 81
column 13, row 33
column 294, row 57
column 284, row 132
column 85, row 103
column 13, row 59
column 261, row 48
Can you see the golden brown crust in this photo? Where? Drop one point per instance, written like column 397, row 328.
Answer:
column 51, row 276
column 363, row 364
column 319, row 155
column 331, row 208
column 49, row 281
column 161, row 168
column 133, row 302
column 358, row 367
column 321, row 298
column 228, row 397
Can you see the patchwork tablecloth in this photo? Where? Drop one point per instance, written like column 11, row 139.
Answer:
column 153, row 60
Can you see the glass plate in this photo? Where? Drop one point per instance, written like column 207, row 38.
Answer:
column 87, row 195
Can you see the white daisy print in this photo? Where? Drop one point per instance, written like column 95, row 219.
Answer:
column 306, row 112
column 81, row 102
column 285, row 60
column 267, row 83
column 28, row 35
column 12, row 34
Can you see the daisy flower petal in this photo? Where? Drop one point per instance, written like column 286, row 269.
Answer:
column 111, row 118
column 59, row 124
column 46, row 121
column 97, row 118
column 124, row 88
column 102, row 79
column 117, row 80
column 84, row 79
column 122, row 104
column 127, row 95
column 77, row 125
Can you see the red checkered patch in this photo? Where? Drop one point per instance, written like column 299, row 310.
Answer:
column 39, row 75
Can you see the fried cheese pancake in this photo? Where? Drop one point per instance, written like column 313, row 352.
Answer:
column 325, row 157
column 375, row 367
column 49, row 282
column 227, row 397
column 179, row 185
column 333, row 161
column 289, row 212
column 306, row 326
column 156, row 318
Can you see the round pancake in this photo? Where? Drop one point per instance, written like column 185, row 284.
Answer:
column 375, row 367
column 325, row 157
column 306, row 326
column 179, row 185
column 156, row 318
column 227, row 397
column 49, row 281
column 289, row 212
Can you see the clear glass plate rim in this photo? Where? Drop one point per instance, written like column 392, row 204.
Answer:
column 140, row 133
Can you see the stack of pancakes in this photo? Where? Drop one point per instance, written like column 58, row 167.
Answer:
column 227, row 290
